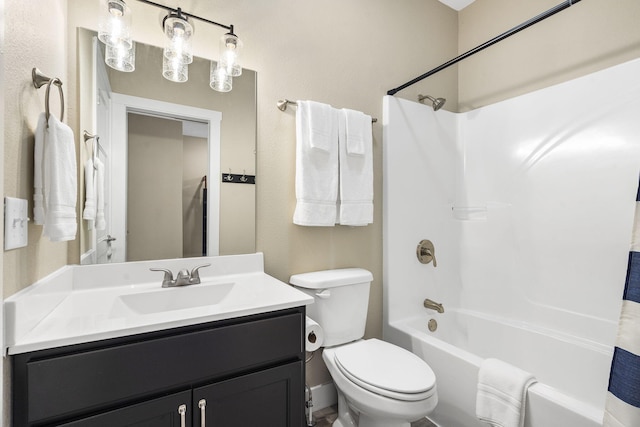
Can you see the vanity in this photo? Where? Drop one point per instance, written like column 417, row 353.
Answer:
column 108, row 348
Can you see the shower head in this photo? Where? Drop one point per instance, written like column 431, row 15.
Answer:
column 437, row 103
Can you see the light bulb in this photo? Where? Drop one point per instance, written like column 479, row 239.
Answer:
column 230, row 49
column 178, row 32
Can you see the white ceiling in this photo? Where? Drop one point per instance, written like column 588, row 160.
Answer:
column 457, row 4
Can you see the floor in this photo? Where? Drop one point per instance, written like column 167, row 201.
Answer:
column 325, row 417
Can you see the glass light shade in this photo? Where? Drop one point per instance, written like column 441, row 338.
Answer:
column 230, row 49
column 178, row 32
column 219, row 79
column 175, row 70
column 114, row 26
column 120, row 58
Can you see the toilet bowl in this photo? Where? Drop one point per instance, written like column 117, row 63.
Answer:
column 385, row 384
column 378, row 383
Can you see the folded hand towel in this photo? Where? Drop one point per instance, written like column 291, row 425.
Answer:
column 89, row 213
column 356, row 168
column 358, row 131
column 59, row 182
column 316, row 168
column 322, row 134
column 502, row 393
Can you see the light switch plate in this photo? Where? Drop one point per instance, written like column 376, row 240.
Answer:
column 15, row 223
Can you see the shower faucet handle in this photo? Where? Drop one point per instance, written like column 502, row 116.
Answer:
column 426, row 252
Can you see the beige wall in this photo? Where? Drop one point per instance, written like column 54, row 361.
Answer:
column 195, row 156
column 307, row 50
column 154, row 183
column 33, row 38
column 589, row 36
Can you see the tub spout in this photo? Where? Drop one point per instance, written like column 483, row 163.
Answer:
column 433, row 305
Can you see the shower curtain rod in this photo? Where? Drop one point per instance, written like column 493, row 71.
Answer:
column 491, row 42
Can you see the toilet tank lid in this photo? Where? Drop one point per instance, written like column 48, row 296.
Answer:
column 331, row 278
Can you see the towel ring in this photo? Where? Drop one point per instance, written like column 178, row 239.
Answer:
column 58, row 83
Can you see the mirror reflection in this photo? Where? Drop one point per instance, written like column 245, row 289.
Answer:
column 166, row 149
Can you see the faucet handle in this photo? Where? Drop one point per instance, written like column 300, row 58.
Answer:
column 195, row 275
column 168, row 276
column 426, row 252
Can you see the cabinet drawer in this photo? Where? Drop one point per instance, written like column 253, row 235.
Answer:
column 69, row 384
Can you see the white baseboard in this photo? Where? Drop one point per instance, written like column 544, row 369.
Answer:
column 324, row 395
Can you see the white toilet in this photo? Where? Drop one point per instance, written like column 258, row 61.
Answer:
column 378, row 383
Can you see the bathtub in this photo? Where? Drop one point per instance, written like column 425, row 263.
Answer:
column 572, row 372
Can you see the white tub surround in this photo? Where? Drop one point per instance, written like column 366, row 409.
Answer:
column 78, row 304
column 529, row 203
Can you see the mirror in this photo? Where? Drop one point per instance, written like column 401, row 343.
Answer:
column 158, row 140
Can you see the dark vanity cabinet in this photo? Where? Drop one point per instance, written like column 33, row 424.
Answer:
column 232, row 373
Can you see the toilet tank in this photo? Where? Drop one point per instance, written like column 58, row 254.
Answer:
column 341, row 300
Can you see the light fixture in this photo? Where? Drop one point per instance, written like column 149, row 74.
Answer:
column 175, row 70
column 219, row 79
column 230, row 48
column 114, row 31
column 114, row 26
column 120, row 58
column 178, row 32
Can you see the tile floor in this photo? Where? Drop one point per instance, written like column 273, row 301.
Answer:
column 324, row 418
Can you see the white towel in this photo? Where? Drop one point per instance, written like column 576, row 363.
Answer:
column 38, row 159
column 55, row 178
column 502, row 393
column 356, row 169
column 94, row 194
column 316, row 168
column 100, row 221
column 322, row 131
column 89, row 212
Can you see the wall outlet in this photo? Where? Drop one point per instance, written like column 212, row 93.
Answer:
column 15, row 223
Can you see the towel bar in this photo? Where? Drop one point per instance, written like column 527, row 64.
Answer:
column 282, row 106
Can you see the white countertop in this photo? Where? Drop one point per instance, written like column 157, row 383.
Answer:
column 79, row 304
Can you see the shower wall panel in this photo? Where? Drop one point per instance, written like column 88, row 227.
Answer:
column 529, row 203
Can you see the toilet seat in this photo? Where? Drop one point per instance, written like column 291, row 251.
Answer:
column 385, row 369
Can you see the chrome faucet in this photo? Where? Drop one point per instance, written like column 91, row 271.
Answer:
column 184, row 277
column 433, row 305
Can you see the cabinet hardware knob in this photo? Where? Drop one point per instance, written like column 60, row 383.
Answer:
column 182, row 410
column 202, row 404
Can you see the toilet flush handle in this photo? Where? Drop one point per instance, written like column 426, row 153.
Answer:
column 324, row 294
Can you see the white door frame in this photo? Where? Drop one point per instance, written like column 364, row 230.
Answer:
column 121, row 105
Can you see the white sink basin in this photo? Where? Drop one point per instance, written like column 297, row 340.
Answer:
column 178, row 298
column 79, row 304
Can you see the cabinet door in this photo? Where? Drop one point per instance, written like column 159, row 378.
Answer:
column 169, row 411
column 269, row 398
